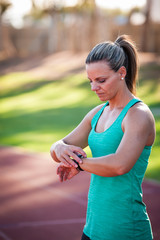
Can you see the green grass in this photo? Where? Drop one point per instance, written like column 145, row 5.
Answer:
column 148, row 91
column 45, row 111
column 34, row 113
column 153, row 171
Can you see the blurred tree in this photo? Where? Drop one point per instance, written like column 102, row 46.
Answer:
column 146, row 26
column 51, row 9
column 6, row 44
column 55, row 9
column 91, row 7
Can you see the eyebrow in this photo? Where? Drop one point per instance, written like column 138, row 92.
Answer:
column 99, row 77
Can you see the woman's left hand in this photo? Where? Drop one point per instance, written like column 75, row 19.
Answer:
column 65, row 172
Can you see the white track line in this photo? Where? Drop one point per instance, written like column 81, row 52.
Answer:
column 4, row 236
column 42, row 223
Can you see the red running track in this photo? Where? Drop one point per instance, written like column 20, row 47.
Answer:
column 34, row 205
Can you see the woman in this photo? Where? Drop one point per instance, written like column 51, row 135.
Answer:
column 120, row 134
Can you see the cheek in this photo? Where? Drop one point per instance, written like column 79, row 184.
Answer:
column 110, row 85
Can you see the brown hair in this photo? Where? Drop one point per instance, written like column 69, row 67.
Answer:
column 120, row 53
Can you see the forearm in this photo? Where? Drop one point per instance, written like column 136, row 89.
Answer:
column 107, row 166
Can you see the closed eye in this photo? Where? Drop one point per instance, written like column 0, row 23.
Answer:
column 98, row 80
column 102, row 80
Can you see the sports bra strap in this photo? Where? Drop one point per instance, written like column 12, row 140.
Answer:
column 122, row 114
column 127, row 107
column 97, row 115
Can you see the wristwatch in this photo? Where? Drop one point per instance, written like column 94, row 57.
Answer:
column 80, row 156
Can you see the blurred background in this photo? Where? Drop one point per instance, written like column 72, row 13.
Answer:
column 44, row 92
column 43, row 46
column 77, row 25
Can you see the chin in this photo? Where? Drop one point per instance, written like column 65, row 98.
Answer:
column 103, row 99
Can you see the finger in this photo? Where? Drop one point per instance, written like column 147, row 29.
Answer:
column 61, row 174
column 78, row 157
column 65, row 176
column 60, row 178
column 69, row 161
column 71, row 174
column 60, row 171
column 73, row 155
column 59, row 168
column 80, row 151
column 63, row 165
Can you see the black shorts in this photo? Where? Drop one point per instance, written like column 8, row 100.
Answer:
column 84, row 237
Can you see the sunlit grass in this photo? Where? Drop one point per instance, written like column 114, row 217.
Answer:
column 35, row 118
column 153, row 170
column 34, row 113
column 149, row 92
column 148, row 88
column 55, row 94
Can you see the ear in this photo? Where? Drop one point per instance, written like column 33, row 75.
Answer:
column 122, row 71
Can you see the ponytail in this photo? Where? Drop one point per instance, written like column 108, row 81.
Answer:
column 131, row 61
column 120, row 53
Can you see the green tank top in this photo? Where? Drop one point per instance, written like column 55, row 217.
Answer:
column 115, row 207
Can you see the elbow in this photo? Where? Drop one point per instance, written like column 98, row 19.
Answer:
column 121, row 170
column 113, row 172
column 121, row 167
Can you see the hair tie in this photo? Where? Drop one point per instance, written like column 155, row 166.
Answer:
column 117, row 44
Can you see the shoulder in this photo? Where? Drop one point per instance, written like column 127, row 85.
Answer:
column 141, row 113
column 140, row 119
column 93, row 112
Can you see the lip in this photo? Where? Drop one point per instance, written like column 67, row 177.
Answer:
column 99, row 94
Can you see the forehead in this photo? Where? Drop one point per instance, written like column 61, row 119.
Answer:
column 98, row 67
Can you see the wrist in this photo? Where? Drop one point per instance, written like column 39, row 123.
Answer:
column 79, row 167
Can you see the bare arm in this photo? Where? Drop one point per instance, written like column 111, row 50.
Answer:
column 65, row 149
column 139, row 130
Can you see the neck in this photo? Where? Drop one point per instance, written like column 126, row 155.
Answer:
column 121, row 99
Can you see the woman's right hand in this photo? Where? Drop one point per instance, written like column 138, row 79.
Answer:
column 62, row 152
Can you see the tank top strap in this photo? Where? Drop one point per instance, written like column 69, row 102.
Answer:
column 127, row 107
column 98, row 114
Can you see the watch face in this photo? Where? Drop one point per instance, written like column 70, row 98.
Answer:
column 79, row 155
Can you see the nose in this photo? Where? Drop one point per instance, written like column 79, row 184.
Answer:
column 94, row 86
